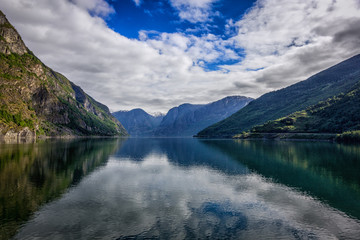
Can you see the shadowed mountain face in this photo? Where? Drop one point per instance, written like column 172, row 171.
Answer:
column 138, row 122
column 340, row 78
column 188, row 119
column 184, row 120
column 34, row 99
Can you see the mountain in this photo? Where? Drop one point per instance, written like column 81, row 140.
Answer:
column 138, row 122
column 340, row 78
column 335, row 115
column 35, row 100
column 184, row 120
column 187, row 119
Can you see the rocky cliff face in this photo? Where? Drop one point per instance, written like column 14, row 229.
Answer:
column 11, row 40
column 34, row 99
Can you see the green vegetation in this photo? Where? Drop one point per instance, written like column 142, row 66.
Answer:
column 88, row 123
column 335, row 115
column 338, row 79
column 6, row 25
column 287, row 136
column 35, row 95
column 349, row 137
column 17, row 118
column 20, row 61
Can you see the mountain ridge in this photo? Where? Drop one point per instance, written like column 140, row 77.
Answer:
column 270, row 106
column 181, row 121
column 35, row 100
column 138, row 122
column 338, row 114
column 187, row 118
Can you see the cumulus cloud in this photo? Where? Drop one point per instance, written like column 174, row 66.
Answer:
column 97, row 7
column 194, row 10
column 281, row 42
column 208, row 47
column 291, row 40
column 153, row 73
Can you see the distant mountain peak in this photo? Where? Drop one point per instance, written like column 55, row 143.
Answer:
column 137, row 110
column 235, row 96
column 138, row 122
column 183, row 120
column 157, row 114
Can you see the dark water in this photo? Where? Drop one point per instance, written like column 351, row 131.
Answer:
column 179, row 189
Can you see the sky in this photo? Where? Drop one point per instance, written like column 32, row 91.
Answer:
column 158, row 54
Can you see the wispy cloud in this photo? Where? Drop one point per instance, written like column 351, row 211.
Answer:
column 209, row 48
column 137, row 2
column 194, row 10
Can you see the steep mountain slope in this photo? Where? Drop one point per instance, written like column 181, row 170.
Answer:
column 177, row 119
column 330, row 82
column 35, row 99
column 188, row 119
column 137, row 122
column 335, row 115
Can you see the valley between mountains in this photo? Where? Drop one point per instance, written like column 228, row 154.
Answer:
column 183, row 121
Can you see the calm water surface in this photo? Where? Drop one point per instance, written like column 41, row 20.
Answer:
column 179, row 189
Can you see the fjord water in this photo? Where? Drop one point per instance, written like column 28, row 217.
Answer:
column 179, row 189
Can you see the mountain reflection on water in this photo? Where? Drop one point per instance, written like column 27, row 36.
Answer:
column 36, row 173
column 188, row 188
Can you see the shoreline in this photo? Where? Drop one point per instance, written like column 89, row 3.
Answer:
column 301, row 137
column 327, row 137
column 31, row 139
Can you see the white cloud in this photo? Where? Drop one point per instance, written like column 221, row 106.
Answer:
column 292, row 40
column 97, row 7
column 194, row 10
column 288, row 40
column 137, row 2
column 155, row 74
column 209, row 48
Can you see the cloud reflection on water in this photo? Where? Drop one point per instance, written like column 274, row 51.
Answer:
column 156, row 197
